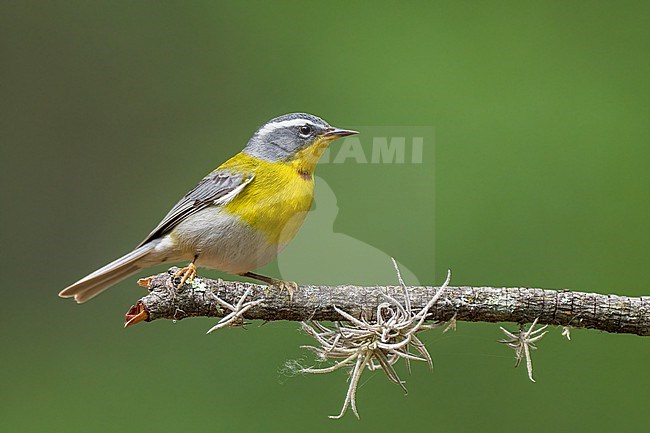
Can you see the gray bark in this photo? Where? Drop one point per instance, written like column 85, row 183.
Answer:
column 611, row 313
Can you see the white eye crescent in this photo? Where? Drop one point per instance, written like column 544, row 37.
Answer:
column 305, row 131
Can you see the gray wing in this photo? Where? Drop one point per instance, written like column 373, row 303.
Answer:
column 217, row 188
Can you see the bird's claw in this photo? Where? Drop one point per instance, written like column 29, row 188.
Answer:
column 290, row 286
column 186, row 274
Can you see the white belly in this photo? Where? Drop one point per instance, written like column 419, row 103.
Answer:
column 222, row 241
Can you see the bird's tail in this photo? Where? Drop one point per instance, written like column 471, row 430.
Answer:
column 92, row 285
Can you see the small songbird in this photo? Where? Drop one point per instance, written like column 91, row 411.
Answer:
column 240, row 216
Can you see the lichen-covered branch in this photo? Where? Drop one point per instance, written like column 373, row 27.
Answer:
column 204, row 297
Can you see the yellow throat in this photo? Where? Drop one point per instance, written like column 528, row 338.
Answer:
column 278, row 198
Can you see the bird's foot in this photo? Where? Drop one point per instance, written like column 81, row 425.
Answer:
column 186, row 274
column 290, row 286
column 281, row 285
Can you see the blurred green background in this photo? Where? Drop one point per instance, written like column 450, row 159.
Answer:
column 538, row 176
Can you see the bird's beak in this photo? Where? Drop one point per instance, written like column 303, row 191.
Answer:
column 335, row 133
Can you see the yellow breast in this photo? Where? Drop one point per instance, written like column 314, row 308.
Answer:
column 277, row 199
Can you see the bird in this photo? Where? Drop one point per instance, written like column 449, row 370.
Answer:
column 239, row 216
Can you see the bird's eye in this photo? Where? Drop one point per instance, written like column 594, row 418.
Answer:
column 305, row 130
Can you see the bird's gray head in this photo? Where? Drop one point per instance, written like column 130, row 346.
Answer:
column 283, row 138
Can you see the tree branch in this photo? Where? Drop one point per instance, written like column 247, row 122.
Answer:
column 204, row 297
